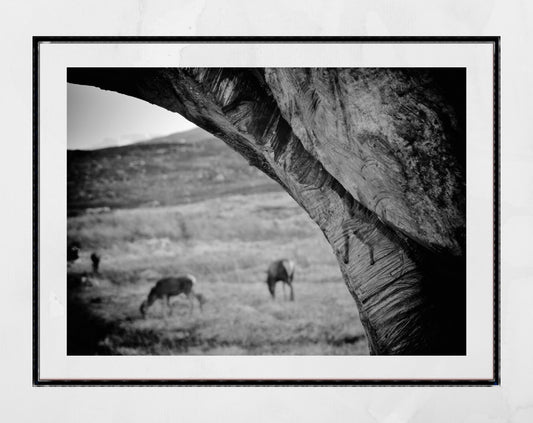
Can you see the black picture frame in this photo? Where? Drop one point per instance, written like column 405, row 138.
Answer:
column 40, row 382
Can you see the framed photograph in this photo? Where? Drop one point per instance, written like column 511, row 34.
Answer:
column 266, row 211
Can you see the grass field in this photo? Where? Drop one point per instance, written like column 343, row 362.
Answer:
column 227, row 242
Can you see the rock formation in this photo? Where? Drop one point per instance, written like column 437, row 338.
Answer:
column 375, row 156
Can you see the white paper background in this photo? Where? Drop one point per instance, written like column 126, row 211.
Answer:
column 55, row 58
column 513, row 401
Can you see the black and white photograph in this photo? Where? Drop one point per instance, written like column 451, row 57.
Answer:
column 266, row 211
column 269, row 212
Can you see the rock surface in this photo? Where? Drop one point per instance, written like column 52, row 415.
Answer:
column 377, row 159
column 388, row 136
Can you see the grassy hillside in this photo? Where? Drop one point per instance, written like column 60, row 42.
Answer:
column 224, row 230
column 176, row 169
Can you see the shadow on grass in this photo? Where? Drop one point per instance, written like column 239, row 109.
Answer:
column 85, row 331
column 90, row 334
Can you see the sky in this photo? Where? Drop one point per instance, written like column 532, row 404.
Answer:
column 97, row 118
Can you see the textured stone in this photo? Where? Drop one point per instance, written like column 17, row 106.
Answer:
column 375, row 157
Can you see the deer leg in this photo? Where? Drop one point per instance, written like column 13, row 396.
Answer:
column 199, row 298
column 169, row 307
column 284, row 294
column 162, row 302
column 191, row 305
column 292, row 291
column 272, row 288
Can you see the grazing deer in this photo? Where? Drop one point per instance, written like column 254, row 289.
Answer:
column 95, row 258
column 280, row 270
column 73, row 252
column 170, row 287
